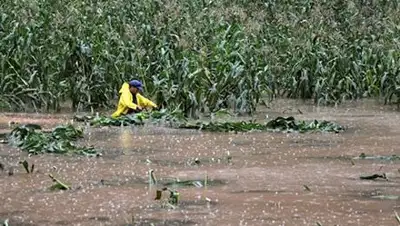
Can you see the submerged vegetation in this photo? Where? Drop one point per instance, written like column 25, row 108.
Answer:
column 32, row 139
column 281, row 124
column 134, row 119
column 176, row 120
column 197, row 56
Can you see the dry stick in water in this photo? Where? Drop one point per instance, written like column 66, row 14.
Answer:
column 26, row 165
column 306, row 187
column 374, row 176
column 64, row 186
column 11, row 171
column 32, row 167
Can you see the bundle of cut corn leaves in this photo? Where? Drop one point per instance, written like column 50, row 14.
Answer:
column 32, row 139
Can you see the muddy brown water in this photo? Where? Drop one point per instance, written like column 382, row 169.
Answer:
column 262, row 185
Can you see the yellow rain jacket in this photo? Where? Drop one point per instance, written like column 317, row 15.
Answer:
column 125, row 101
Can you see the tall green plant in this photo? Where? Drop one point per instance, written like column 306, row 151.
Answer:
column 196, row 56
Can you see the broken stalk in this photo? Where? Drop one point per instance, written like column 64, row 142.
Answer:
column 59, row 184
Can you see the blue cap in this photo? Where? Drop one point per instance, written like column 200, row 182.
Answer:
column 137, row 84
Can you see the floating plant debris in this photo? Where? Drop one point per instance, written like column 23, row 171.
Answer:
column 32, row 139
column 363, row 156
column 279, row 124
column 134, row 119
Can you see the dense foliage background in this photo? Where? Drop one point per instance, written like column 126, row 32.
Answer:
column 197, row 55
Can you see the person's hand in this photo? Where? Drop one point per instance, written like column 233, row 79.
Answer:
column 138, row 108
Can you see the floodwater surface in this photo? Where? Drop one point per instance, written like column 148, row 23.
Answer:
column 253, row 178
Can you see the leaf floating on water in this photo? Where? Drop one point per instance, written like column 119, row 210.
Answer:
column 279, row 124
column 386, row 197
column 59, row 140
column 68, row 132
column 363, row 156
column 397, row 217
column 374, row 176
column 198, row 184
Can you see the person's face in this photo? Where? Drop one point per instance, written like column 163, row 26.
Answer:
column 133, row 90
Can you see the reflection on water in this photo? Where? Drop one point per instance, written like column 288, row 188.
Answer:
column 265, row 179
column 126, row 139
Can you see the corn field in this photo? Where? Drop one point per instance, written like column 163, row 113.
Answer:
column 197, row 56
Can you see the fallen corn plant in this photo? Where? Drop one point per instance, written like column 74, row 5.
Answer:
column 279, row 124
column 141, row 118
column 32, row 139
column 58, row 184
column 177, row 120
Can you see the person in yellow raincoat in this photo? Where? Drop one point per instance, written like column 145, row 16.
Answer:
column 130, row 100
